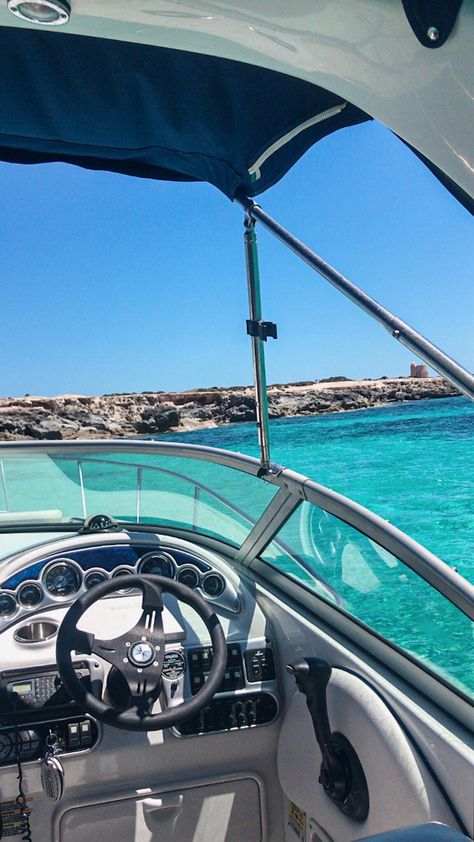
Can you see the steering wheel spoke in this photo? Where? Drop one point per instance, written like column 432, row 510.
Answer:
column 82, row 642
column 152, row 599
column 138, row 655
column 111, row 650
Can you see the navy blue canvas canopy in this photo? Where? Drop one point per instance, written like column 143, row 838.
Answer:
column 156, row 112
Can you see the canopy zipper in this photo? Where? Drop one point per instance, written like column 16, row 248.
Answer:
column 254, row 170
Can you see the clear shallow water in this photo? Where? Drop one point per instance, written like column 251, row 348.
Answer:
column 412, row 463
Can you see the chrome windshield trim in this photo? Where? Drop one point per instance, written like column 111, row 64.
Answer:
column 227, row 458
column 270, row 522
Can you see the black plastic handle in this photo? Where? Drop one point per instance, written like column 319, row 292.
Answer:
column 341, row 775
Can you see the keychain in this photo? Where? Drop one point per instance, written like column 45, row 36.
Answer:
column 52, row 771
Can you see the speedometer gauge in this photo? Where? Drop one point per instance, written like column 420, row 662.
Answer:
column 62, row 579
column 158, row 564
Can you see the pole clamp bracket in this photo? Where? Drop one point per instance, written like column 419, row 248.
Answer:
column 262, row 329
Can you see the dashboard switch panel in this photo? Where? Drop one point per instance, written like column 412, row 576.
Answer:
column 259, row 665
column 200, row 661
column 232, row 712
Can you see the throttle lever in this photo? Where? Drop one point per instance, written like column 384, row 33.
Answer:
column 312, row 677
column 341, row 774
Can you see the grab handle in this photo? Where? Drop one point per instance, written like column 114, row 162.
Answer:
column 162, row 802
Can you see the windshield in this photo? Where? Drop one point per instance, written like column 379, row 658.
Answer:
column 378, row 589
column 220, row 495
column 142, row 488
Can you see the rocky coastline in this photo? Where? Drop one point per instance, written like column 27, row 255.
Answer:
column 151, row 413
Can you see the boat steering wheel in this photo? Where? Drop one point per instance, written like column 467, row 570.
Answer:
column 138, row 655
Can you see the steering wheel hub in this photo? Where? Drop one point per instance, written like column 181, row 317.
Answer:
column 141, row 654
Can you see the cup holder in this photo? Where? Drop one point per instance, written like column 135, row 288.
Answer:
column 36, row 632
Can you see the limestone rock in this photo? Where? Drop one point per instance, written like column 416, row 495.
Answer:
column 154, row 413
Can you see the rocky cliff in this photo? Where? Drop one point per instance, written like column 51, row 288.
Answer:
column 149, row 413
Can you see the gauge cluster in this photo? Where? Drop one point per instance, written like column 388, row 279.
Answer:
column 60, row 580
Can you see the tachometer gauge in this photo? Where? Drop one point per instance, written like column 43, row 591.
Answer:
column 94, row 577
column 158, row 564
column 62, row 579
column 8, row 605
column 30, row 594
column 173, row 665
column 188, row 576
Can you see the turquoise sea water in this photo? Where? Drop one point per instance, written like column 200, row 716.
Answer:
column 412, row 463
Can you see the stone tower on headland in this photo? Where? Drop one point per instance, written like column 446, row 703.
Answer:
column 419, row 370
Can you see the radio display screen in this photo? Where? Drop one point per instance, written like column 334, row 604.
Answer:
column 23, row 689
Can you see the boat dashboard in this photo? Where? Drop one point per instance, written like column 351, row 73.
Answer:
column 40, row 584
column 59, row 577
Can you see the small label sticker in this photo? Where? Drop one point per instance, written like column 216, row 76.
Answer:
column 297, row 821
column 12, row 821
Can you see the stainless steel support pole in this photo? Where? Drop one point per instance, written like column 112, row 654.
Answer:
column 431, row 354
column 258, row 352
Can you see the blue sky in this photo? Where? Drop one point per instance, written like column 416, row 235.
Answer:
column 115, row 284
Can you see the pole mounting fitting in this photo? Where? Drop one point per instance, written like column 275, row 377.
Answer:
column 249, row 222
column 269, row 469
column 261, row 329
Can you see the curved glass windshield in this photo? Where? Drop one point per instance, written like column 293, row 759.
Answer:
column 145, row 487
column 322, row 552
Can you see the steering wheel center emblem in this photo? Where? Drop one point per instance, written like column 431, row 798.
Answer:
column 141, row 654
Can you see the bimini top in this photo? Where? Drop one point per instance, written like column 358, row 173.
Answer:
column 220, row 100
column 158, row 113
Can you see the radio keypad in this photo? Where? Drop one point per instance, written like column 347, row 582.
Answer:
column 44, row 688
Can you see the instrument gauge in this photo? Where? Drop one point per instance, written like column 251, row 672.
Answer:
column 173, row 665
column 123, row 571
column 213, row 585
column 62, row 579
column 188, row 576
column 8, row 605
column 94, row 577
column 30, row 594
column 157, row 564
